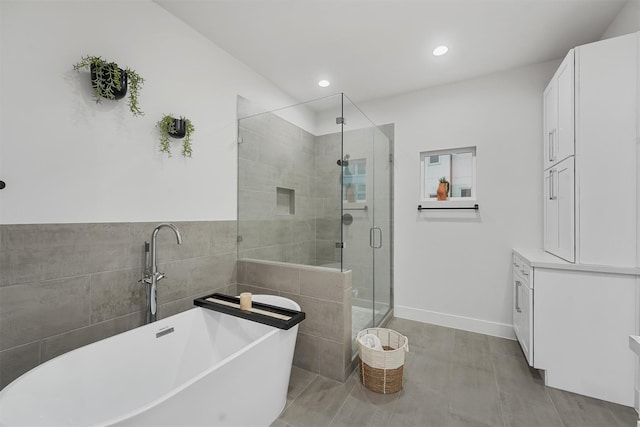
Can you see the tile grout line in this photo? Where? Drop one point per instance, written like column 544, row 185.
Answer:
column 393, row 411
column 287, row 406
column 449, row 392
column 344, row 402
column 495, row 378
column 554, row 406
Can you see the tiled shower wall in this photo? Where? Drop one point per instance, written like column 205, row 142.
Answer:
column 63, row 286
column 328, row 194
column 275, row 154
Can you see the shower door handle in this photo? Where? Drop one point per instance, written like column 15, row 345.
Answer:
column 372, row 237
column 380, row 231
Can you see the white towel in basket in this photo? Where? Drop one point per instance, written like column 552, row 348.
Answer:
column 371, row 341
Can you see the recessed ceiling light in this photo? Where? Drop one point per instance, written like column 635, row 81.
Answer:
column 440, row 50
column 323, row 83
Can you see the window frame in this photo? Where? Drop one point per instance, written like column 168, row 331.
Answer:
column 451, row 202
column 356, row 203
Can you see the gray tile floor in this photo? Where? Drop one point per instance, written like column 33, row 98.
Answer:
column 452, row 378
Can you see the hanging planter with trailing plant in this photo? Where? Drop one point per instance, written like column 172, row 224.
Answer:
column 169, row 126
column 112, row 82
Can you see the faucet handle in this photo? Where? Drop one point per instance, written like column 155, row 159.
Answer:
column 146, row 279
column 160, row 276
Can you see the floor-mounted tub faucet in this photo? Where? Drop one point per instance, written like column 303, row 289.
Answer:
column 151, row 274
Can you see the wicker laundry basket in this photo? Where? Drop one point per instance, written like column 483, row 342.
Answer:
column 381, row 370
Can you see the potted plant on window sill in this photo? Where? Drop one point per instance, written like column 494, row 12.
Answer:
column 112, row 82
column 443, row 189
column 182, row 127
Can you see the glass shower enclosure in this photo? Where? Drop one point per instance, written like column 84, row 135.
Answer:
column 315, row 188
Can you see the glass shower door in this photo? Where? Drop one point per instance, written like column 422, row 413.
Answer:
column 382, row 226
column 366, row 207
column 357, row 220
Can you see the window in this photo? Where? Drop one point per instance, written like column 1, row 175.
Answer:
column 457, row 166
column 354, row 181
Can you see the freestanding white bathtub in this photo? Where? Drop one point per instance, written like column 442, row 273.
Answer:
column 197, row 368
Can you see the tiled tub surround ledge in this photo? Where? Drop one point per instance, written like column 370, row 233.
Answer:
column 324, row 294
column 63, row 286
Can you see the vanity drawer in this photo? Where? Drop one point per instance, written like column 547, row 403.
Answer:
column 521, row 270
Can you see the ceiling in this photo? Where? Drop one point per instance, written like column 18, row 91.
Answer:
column 375, row 48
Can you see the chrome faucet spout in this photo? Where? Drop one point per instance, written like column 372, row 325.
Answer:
column 152, row 276
column 154, row 261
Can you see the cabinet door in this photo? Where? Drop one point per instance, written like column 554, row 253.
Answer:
column 558, row 117
column 517, row 313
column 523, row 315
column 550, row 212
column 559, row 212
column 550, row 120
column 564, row 141
column 565, row 195
column 525, row 302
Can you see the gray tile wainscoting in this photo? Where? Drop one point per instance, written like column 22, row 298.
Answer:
column 63, row 286
column 324, row 294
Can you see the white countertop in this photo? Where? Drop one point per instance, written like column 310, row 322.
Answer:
column 541, row 259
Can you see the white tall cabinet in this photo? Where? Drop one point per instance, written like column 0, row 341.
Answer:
column 558, row 160
column 590, row 155
column 579, row 299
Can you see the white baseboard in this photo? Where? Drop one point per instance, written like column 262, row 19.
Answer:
column 495, row 329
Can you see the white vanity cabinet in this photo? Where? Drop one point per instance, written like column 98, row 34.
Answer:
column 579, row 324
column 583, row 322
column 590, row 156
column 523, row 306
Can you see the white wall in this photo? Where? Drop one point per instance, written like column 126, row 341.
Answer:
column 453, row 268
column 627, row 21
column 66, row 159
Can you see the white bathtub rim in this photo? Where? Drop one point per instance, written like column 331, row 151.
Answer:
column 186, row 384
column 164, row 396
column 206, row 372
column 103, row 340
column 176, row 389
